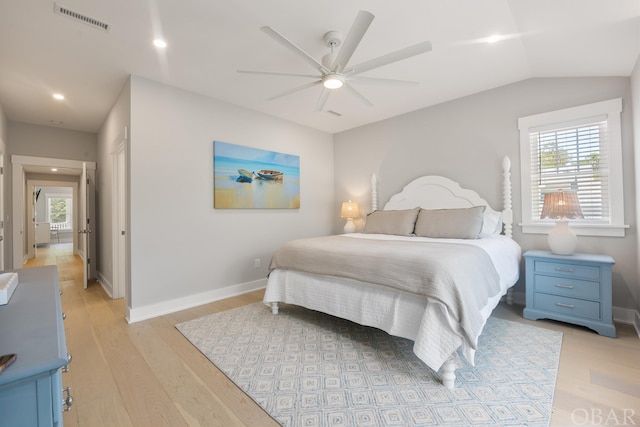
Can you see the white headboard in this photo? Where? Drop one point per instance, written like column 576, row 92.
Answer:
column 438, row 192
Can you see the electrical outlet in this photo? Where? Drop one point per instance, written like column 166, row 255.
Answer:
column 257, row 263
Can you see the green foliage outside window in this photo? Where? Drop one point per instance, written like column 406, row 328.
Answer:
column 58, row 211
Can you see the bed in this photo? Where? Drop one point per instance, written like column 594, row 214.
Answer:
column 402, row 273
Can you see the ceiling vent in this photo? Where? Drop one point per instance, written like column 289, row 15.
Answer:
column 335, row 113
column 64, row 11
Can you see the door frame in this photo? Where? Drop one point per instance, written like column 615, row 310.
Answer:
column 19, row 195
column 119, row 209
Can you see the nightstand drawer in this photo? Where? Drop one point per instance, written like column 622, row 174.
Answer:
column 567, row 306
column 567, row 287
column 567, row 270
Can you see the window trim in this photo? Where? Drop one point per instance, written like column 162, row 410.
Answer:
column 612, row 109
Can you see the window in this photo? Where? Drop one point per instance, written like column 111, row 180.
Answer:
column 574, row 149
column 59, row 211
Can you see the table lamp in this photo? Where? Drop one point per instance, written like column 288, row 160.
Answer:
column 562, row 206
column 350, row 211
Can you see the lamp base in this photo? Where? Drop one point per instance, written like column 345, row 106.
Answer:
column 562, row 239
column 350, row 226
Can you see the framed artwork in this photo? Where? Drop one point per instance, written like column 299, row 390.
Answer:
column 250, row 178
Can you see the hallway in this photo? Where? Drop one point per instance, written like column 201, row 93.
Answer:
column 60, row 254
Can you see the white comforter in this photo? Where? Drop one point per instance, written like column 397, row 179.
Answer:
column 427, row 321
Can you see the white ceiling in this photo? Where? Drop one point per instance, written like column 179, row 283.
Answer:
column 208, row 41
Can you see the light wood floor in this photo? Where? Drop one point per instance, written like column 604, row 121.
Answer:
column 148, row 374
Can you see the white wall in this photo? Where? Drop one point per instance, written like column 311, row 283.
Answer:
column 184, row 252
column 466, row 139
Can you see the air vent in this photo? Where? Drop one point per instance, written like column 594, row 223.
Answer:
column 64, row 11
column 335, row 113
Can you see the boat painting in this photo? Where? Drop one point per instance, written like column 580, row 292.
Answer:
column 251, row 178
column 244, row 176
column 269, row 174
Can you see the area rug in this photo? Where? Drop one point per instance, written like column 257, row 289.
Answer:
column 310, row 369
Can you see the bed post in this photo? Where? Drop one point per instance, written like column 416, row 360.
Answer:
column 507, row 213
column 374, row 193
column 449, row 373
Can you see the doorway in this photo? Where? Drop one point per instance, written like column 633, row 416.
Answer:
column 84, row 177
column 53, row 212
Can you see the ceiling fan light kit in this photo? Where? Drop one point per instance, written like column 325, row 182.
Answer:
column 332, row 81
column 333, row 69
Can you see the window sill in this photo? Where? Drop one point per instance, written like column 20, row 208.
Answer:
column 602, row 230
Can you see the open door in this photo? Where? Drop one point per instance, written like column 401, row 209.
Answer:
column 86, row 240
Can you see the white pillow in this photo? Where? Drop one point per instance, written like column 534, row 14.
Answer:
column 491, row 224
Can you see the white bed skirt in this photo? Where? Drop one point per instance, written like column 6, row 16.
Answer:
column 398, row 313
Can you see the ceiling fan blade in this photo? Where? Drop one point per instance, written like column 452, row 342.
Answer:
column 294, row 48
column 274, row 73
column 358, row 95
column 294, row 90
column 324, row 95
column 351, row 42
column 380, row 81
column 398, row 55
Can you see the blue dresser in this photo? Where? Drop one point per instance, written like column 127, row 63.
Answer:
column 31, row 325
column 571, row 288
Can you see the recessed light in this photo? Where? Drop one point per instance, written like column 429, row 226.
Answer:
column 159, row 43
column 54, row 169
column 58, row 96
column 494, row 38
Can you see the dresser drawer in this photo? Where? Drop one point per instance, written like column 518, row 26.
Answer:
column 567, row 287
column 567, row 306
column 567, row 270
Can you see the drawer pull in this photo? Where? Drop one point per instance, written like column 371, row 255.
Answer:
column 566, row 270
column 67, row 401
column 65, row 368
column 559, row 304
column 558, row 285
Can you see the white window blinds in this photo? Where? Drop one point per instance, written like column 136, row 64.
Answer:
column 577, row 148
column 575, row 157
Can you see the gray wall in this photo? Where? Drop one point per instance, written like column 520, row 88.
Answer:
column 110, row 137
column 183, row 251
column 4, row 130
column 466, row 139
column 635, row 93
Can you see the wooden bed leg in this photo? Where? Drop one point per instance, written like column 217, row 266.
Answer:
column 449, row 373
column 274, row 308
column 510, row 296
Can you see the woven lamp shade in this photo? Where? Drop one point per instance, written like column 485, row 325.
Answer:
column 561, row 204
column 349, row 210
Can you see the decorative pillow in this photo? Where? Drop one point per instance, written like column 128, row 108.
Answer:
column 464, row 223
column 399, row 222
column 491, row 224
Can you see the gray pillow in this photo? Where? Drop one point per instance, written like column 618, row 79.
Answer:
column 464, row 223
column 399, row 222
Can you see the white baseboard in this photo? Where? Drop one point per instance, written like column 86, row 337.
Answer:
column 628, row 316
column 154, row 310
column 106, row 285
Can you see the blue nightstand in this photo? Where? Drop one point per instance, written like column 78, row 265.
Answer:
column 571, row 288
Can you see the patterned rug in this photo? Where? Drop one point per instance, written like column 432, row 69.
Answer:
column 309, row 369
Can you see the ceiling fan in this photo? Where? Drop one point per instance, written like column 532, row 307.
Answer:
column 334, row 71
